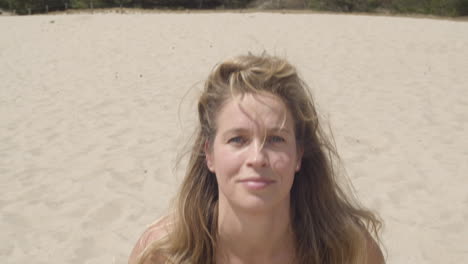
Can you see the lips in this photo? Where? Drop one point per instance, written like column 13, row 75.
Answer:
column 257, row 183
column 257, row 180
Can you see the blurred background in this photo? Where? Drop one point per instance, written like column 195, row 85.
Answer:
column 453, row 8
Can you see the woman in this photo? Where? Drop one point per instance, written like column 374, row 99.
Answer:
column 260, row 186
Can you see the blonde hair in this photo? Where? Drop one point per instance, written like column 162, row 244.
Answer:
column 329, row 227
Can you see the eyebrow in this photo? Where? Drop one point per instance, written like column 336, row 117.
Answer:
column 243, row 130
column 279, row 129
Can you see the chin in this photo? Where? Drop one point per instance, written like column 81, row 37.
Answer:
column 256, row 204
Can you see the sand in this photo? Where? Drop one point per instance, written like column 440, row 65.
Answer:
column 95, row 108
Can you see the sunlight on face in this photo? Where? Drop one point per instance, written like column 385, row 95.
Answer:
column 254, row 153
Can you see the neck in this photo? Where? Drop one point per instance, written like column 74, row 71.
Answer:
column 255, row 237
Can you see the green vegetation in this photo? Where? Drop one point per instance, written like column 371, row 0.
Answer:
column 432, row 7
column 42, row 6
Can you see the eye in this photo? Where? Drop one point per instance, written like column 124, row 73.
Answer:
column 276, row 139
column 237, row 140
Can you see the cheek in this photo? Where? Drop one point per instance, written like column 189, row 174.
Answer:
column 284, row 165
column 228, row 164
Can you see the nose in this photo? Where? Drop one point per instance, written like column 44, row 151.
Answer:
column 257, row 157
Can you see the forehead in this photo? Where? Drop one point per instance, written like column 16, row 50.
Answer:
column 254, row 111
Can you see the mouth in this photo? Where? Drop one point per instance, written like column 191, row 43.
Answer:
column 256, row 183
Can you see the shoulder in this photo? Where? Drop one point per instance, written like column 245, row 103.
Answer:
column 374, row 253
column 154, row 232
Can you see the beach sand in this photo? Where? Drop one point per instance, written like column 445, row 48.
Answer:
column 95, row 108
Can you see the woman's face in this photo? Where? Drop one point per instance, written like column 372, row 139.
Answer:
column 254, row 153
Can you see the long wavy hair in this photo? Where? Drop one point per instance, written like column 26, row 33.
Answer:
column 329, row 225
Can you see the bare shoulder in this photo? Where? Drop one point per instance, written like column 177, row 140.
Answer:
column 154, row 232
column 374, row 253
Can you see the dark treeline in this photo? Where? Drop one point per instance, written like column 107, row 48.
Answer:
column 43, row 6
column 432, row 7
